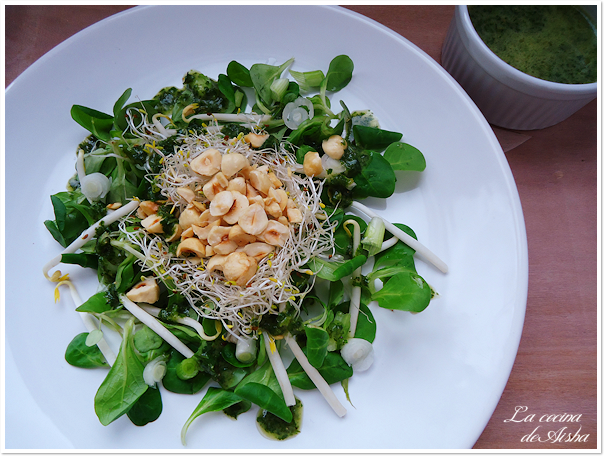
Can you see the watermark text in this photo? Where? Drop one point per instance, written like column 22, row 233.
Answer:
column 544, row 433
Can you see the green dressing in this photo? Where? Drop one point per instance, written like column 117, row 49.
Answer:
column 555, row 43
column 274, row 428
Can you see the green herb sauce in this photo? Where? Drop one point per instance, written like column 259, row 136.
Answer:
column 275, row 428
column 555, row 43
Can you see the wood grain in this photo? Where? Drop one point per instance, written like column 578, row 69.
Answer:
column 556, row 370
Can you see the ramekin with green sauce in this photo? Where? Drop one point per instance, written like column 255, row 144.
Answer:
column 526, row 67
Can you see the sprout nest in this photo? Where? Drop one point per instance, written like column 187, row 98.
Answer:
column 271, row 289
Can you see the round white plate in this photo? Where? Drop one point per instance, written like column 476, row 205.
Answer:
column 437, row 375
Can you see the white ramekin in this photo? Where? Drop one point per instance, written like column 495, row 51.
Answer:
column 507, row 97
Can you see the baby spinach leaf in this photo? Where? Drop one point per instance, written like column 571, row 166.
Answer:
column 333, row 370
column 321, row 104
column 261, row 375
column 148, row 408
column 339, row 73
column 376, row 179
column 372, row 138
column 225, row 86
column 404, row 157
column 91, row 213
column 209, row 326
column 404, row 291
column 150, row 355
column 335, row 270
column 51, row 226
column 399, row 255
column 237, row 409
column 124, row 383
column 184, row 333
column 97, row 303
column 215, row 400
column 366, row 324
column 122, row 185
column 239, row 74
column 121, row 101
column 263, row 75
column 348, row 267
column 397, row 252
column 128, row 274
column 86, row 260
column 309, row 128
column 229, row 376
column 145, row 339
column 316, row 345
column 323, row 269
column 79, row 354
column 174, row 384
column 265, row 398
column 69, row 220
column 96, row 122
column 336, row 292
column 99, row 163
column 385, row 273
column 262, row 388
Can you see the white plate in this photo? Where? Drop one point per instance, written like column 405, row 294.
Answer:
column 437, row 376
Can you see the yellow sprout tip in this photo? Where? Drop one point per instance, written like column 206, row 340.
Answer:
column 272, row 344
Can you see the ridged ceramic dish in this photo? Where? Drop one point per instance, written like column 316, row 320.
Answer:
column 506, row 96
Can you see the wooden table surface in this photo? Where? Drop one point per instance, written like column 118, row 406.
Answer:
column 556, row 369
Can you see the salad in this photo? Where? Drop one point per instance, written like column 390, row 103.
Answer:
column 224, row 222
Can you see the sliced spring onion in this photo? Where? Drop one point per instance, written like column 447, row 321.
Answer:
column 335, row 166
column 358, row 353
column 246, row 349
column 374, row 235
column 308, row 79
column 94, row 186
column 155, row 370
column 294, row 113
column 278, row 88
